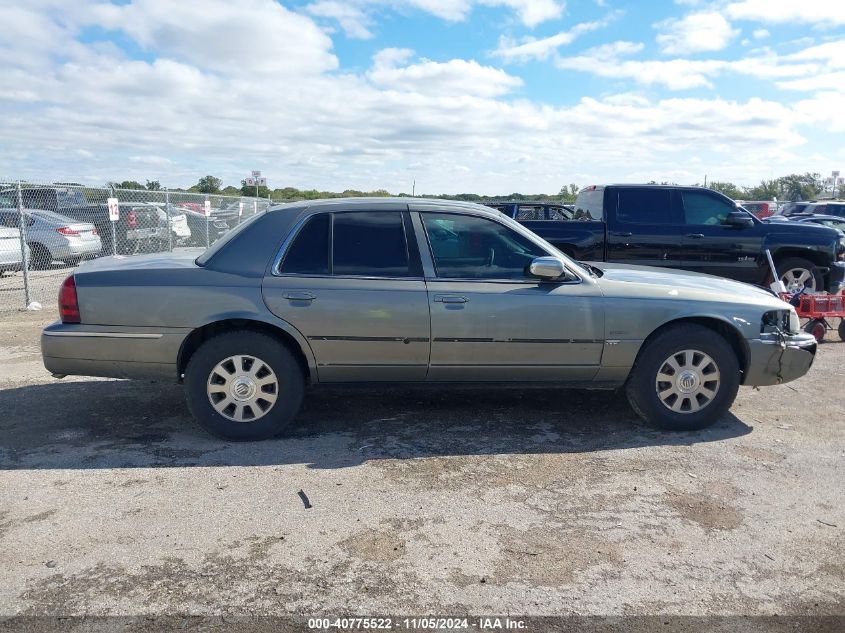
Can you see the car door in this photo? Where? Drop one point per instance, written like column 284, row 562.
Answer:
column 713, row 247
column 351, row 282
column 643, row 226
column 489, row 319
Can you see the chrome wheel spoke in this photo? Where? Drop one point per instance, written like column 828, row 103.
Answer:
column 242, row 388
column 687, row 381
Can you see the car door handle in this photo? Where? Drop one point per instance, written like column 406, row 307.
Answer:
column 697, row 236
column 450, row 299
column 300, row 296
column 621, row 234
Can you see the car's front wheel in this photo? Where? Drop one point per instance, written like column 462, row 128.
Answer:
column 244, row 385
column 684, row 379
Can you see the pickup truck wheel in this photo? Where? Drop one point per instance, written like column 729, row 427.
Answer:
column 684, row 379
column 799, row 274
column 243, row 386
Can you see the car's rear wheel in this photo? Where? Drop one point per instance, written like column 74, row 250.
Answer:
column 817, row 328
column 799, row 274
column 39, row 257
column 244, row 385
column 685, row 378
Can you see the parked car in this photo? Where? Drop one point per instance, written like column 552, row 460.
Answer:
column 794, row 208
column 10, row 250
column 197, row 222
column 759, row 208
column 825, row 207
column 832, row 221
column 696, row 229
column 136, row 230
column 53, row 237
column 417, row 291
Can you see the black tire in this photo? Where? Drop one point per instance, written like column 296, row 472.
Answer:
column 275, row 355
column 790, row 267
column 642, row 385
column 842, row 329
column 817, row 328
column 39, row 256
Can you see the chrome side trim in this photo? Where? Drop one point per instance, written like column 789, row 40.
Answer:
column 105, row 334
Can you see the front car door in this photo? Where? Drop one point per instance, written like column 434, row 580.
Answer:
column 489, row 319
column 713, row 247
column 351, row 282
column 643, row 226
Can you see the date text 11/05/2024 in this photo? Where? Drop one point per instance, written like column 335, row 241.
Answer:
column 418, row 623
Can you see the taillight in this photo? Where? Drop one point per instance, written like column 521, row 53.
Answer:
column 66, row 230
column 68, row 303
column 132, row 220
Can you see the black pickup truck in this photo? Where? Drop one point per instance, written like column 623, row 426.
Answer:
column 687, row 227
column 139, row 226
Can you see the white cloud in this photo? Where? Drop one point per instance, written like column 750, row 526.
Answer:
column 695, row 33
column 760, row 34
column 250, row 36
column 542, row 49
column 821, row 12
column 456, row 78
column 531, row 12
column 353, row 21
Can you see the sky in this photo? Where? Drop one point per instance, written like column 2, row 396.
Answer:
column 481, row 96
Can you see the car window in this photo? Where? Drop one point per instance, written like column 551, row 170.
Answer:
column 836, row 209
column 369, row 244
column 835, row 224
column 559, row 213
column 470, row 247
column 645, row 206
column 704, row 209
column 589, row 205
column 8, row 200
column 309, row 253
column 530, row 212
column 9, row 219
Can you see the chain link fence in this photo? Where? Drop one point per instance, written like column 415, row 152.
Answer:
column 46, row 230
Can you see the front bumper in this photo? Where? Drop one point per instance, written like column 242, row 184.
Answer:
column 836, row 278
column 773, row 362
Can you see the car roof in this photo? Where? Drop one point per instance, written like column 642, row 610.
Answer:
column 381, row 204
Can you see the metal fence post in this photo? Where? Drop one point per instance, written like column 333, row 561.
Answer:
column 168, row 212
column 113, row 227
column 207, row 220
column 24, row 258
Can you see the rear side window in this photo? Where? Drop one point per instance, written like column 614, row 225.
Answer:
column 530, row 212
column 309, row 253
column 645, row 206
column 589, row 205
column 370, row 244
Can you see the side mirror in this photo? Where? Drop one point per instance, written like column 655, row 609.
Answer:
column 739, row 219
column 547, row 268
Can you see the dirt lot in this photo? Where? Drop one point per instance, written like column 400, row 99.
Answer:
column 472, row 501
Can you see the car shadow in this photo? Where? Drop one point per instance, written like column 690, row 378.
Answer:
column 95, row 424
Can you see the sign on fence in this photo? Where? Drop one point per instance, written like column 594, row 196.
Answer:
column 207, row 208
column 114, row 209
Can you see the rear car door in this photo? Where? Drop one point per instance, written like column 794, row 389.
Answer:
column 713, row 247
column 643, row 226
column 351, row 282
column 489, row 320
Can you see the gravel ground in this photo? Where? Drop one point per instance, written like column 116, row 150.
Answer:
column 468, row 501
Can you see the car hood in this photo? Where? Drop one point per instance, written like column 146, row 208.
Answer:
column 182, row 259
column 659, row 283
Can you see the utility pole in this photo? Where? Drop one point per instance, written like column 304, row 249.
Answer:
column 414, row 188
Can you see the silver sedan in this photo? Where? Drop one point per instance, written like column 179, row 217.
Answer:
column 415, row 291
column 53, row 237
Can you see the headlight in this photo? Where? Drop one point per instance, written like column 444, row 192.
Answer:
column 784, row 320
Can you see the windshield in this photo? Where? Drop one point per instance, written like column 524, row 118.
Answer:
column 212, row 250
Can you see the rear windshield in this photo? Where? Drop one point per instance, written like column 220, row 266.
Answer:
column 212, row 250
column 589, row 205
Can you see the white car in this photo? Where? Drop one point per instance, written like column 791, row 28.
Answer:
column 10, row 250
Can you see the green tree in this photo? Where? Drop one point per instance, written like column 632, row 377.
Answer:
column 766, row 190
column 128, row 184
column 153, row 185
column 208, row 184
column 250, row 190
column 729, row 189
column 799, row 186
